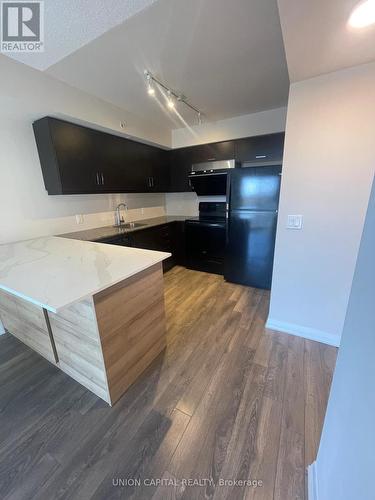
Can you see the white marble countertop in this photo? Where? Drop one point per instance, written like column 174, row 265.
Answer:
column 55, row 272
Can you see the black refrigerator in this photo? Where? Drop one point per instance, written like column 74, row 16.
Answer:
column 253, row 199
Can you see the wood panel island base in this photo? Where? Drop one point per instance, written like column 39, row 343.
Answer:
column 103, row 341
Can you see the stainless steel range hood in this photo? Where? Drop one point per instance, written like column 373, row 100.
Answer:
column 212, row 166
column 210, row 178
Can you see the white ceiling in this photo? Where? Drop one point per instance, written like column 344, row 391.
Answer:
column 318, row 40
column 226, row 56
column 70, row 24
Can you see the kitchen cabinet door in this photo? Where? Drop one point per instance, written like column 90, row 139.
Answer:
column 213, row 152
column 262, row 148
column 159, row 180
column 126, row 165
column 68, row 155
column 154, row 238
column 180, row 168
column 178, row 242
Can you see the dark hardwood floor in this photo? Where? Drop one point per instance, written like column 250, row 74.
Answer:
column 227, row 401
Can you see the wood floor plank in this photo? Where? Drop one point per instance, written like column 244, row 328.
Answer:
column 226, row 399
column 21, row 457
column 202, row 450
column 169, row 489
column 290, row 475
column 264, row 466
column 30, row 486
column 242, row 450
column 149, row 453
column 10, row 347
column 276, row 365
column 319, row 364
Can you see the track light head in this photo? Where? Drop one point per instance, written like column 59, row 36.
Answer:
column 150, row 86
column 170, row 101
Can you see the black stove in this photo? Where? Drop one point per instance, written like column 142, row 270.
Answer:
column 206, row 238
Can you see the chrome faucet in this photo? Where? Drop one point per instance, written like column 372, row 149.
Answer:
column 119, row 219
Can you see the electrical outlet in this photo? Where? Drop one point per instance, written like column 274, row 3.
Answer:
column 294, row 222
column 79, row 219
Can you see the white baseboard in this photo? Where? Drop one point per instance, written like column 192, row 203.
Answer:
column 303, row 331
column 312, row 483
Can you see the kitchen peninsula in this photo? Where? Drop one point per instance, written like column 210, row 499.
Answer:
column 94, row 310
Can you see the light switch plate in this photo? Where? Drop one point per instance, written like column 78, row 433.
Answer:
column 294, row 222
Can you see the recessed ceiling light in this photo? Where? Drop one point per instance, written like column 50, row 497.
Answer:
column 363, row 15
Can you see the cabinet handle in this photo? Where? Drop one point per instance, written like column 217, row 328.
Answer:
column 102, row 177
column 152, row 182
column 97, row 178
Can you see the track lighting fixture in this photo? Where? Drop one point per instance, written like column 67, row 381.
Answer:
column 150, row 89
column 150, row 86
column 170, row 100
column 171, row 97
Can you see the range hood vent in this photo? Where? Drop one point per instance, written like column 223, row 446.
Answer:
column 210, row 178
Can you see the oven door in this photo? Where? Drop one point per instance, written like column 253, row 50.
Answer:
column 205, row 246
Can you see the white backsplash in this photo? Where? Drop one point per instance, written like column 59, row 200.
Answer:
column 53, row 225
column 90, row 221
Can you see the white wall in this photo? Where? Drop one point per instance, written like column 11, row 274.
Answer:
column 26, row 210
column 329, row 163
column 265, row 122
column 344, row 468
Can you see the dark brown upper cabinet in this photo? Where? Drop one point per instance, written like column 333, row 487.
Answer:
column 181, row 161
column 79, row 160
column 213, row 152
column 68, row 156
column 160, row 174
column 261, row 148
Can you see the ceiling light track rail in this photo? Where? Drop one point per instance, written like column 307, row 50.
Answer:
column 151, row 79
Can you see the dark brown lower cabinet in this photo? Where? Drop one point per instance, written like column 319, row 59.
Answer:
column 155, row 238
column 178, row 240
column 168, row 237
